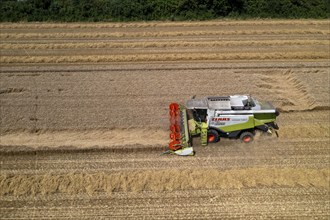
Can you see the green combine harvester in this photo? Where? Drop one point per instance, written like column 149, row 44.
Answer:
column 213, row 118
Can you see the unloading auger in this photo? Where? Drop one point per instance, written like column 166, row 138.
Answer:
column 213, row 118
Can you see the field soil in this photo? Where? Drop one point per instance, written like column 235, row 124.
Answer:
column 84, row 120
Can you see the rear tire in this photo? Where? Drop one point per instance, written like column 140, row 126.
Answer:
column 246, row 137
column 213, row 136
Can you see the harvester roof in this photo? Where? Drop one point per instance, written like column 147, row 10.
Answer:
column 219, row 102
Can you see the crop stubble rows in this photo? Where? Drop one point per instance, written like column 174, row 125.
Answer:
column 83, row 141
column 57, row 43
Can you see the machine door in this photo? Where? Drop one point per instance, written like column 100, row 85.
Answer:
column 230, row 123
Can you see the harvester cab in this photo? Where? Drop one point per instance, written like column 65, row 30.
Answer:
column 216, row 117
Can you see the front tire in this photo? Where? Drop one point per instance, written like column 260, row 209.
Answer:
column 213, row 136
column 246, row 137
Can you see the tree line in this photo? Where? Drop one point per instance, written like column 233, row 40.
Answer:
column 146, row 10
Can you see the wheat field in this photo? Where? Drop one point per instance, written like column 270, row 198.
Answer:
column 84, row 120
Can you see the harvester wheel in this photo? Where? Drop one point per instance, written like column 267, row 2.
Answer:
column 246, row 137
column 212, row 136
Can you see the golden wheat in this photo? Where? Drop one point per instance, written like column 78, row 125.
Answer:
column 161, row 180
column 161, row 24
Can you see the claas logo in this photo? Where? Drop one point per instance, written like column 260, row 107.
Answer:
column 220, row 119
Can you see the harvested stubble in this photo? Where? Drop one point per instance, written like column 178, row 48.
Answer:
column 277, row 178
column 163, row 57
column 157, row 34
column 38, row 46
column 160, row 180
column 162, row 24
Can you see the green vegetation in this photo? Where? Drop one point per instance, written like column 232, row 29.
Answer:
column 137, row 10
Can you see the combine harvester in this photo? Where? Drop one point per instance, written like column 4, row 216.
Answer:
column 212, row 118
